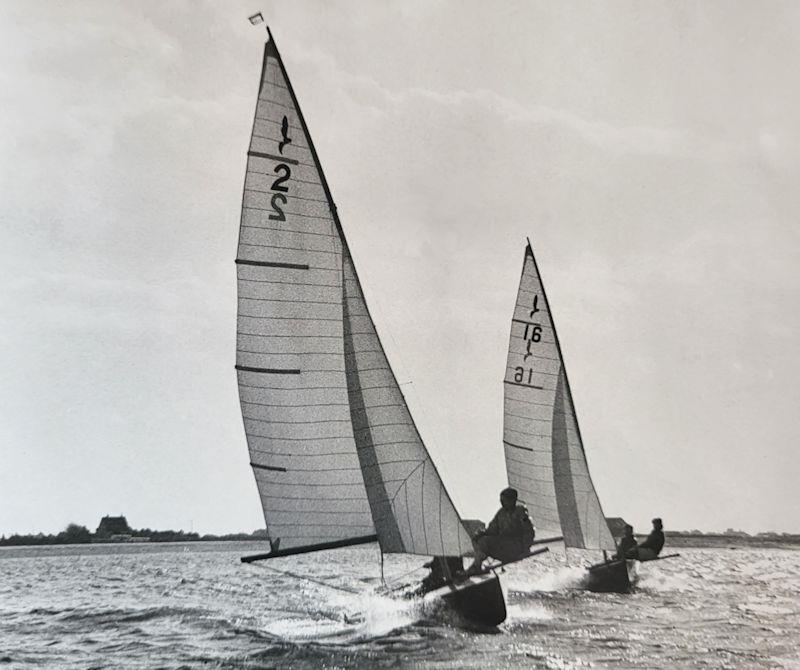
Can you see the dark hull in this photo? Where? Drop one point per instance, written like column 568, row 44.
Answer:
column 477, row 601
column 610, row 577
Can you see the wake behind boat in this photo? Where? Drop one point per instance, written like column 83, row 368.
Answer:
column 336, row 455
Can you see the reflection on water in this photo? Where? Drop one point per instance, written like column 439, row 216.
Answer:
column 196, row 605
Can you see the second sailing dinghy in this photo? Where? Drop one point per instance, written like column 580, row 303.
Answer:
column 545, row 459
column 337, row 458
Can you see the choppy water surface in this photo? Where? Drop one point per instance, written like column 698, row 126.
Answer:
column 196, row 605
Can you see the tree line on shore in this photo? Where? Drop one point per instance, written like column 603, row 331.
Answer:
column 116, row 529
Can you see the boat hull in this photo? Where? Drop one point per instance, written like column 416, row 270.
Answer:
column 476, row 601
column 611, row 577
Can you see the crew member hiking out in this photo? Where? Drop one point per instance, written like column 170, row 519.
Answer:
column 442, row 570
column 626, row 543
column 508, row 537
column 651, row 547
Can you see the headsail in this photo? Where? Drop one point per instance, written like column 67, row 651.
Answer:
column 411, row 508
column 322, row 411
column 544, row 452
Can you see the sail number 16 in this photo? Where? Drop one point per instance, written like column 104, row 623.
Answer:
column 519, row 375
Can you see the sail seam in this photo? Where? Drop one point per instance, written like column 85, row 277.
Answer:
column 309, row 404
column 299, row 147
column 313, row 485
column 527, row 402
column 272, row 422
column 294, row 197
column 295, row 388
column 529, row 464
column 298, row 337
column 281, row 248
column 296, row 455
column 288, row 353
column 327, row 499
column 304, row 355
column 289, row 283
column 522, row 432
column 288, row 231
column 384, row 425
column 321, row 217
column 277, row 438
column 363, row 408
column 527, row 418
column 288, row 318
column 275, row 102
column 277, row 510
column 298, row 302
column 292, row 470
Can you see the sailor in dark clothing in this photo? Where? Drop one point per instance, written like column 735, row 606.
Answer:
column 442, row 569
column 651, row 547
column 508, row 536
column 626, row 543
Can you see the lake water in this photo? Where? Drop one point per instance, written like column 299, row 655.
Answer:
column 197, row 606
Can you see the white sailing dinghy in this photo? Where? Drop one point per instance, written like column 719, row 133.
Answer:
column 544, row 453
column 337, row 458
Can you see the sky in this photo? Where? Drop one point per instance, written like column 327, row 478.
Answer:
column 649, row 150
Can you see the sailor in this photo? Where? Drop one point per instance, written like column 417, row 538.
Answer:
column 442, row 569
column 508, row 536
column 626, row 543
column 651, row 547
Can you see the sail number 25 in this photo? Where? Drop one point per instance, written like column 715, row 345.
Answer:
column 284, row 172
column 279, row 199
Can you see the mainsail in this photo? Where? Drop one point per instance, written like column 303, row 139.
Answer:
column 335, row 453
column 544, row 452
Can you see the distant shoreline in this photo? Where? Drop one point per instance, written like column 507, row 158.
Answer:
column 158, row 537
column 725, row 540
column 674, row 539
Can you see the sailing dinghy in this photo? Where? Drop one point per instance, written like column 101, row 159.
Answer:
column 545, row 459
column 336, row 455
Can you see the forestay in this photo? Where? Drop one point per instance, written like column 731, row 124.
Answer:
column 322, row 411
column 544, row 452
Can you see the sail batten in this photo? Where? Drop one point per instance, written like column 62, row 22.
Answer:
column 545, row 459
column 335, row 453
